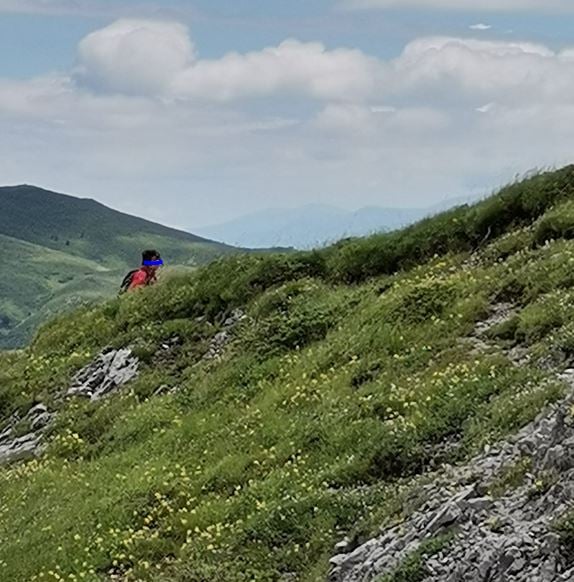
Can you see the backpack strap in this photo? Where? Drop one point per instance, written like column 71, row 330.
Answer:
column 127, row 281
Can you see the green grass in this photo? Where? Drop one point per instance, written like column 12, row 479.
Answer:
column 329, row 403
column 40, row 282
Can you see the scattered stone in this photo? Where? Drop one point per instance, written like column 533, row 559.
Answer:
column 164, row 389
column 20, row 448
column 222, row 338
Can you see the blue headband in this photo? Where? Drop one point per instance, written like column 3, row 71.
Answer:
column 157, row 263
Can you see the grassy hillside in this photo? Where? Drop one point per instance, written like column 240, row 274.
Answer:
column 61, row 251
column 37, row 276
column 90, row 230
column 349, row 378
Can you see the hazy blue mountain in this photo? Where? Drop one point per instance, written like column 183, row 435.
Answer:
column 313, row 225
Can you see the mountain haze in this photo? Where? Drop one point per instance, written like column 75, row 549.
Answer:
column 315, row 225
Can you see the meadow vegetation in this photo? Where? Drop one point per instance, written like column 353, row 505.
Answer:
column 337, row 393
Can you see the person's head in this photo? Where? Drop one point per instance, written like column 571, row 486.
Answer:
column 149, row 257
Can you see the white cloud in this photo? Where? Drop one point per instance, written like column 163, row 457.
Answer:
column 377, row 121
column 480, row 26
column 149, row 123
column 466, row 69
column 135, row 56
column 486, row 108
column 292, row 68
column 466, row 5
column 157, row 58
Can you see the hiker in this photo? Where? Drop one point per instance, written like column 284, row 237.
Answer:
column 145, row 275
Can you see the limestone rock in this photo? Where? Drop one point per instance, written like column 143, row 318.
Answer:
column 508, row 539
column 106, row 374
column 16, row 448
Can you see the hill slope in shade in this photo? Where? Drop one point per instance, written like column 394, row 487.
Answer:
column 314, row 225
column 88, row 229
column 60, row 251
column 284, row 408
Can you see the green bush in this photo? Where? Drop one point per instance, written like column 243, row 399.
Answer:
column 295, row 315
column 555, row 224
column 425, row 301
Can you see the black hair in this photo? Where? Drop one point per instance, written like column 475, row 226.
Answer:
column 150, row 255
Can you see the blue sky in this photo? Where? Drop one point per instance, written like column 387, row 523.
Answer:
column 48, row 42
column 193, row 112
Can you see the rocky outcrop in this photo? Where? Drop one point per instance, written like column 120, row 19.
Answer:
column 110, row 370
column 14, row 447
column 509, row 538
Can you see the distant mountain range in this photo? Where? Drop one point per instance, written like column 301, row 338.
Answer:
column 315, row 225
column 59, row 251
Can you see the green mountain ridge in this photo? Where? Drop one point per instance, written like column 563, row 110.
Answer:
column 86, row 228
column 337, row 384
column 61, row 251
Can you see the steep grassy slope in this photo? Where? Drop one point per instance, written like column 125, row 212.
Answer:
column 350, row 376
column 60, row 251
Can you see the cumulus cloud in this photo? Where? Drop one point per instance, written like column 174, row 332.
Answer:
column 293, row 67
column 135, row 56
column 157, row 58
column 466, row 5
column 484, row 70
column 144, row 113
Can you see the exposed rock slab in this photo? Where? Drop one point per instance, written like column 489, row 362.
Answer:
column 508, row 539
column 15, row 447
column 109, row 371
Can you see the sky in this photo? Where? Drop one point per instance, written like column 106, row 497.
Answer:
column 194, row 112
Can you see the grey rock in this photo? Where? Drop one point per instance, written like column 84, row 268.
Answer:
column 41, row 421
column 509, row 539
column 110, row 370
column 20, row 448
column 343, row 546
column 6, row 434
column 221, row 339
column 446, row 516
column 37, row 410
column 480, row 504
